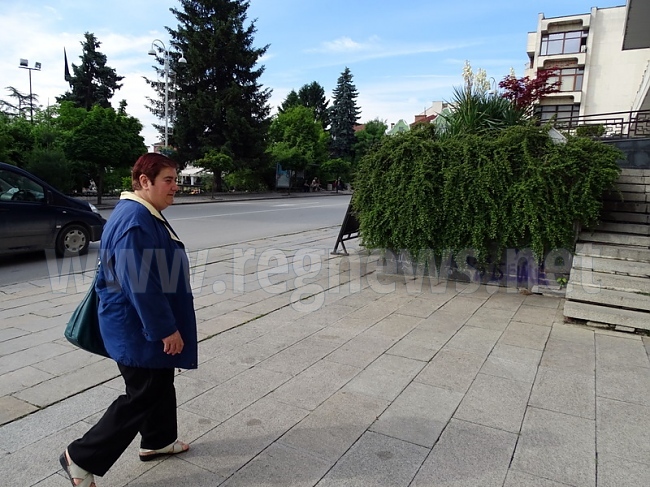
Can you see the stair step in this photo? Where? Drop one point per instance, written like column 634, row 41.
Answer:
column 615, row 238
column 622, row 217
column 632, row 188
column 628, row 171
column 642, row 208
column 604, row 314
column 626, row 228
column 621, row 252
column 608, row 297
column 626, row 196
column 631, row 179
column 612, row 266
column 615, row 282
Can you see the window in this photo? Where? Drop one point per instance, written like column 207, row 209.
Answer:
column 570, row 78
column 563, row 112
column 563, row 42
column 15, row 187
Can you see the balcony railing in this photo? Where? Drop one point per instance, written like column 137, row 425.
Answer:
column 621, row 125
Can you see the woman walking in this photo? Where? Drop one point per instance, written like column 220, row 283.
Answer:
column 147, row 321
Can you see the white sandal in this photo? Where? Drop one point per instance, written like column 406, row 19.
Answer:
column 172, row 449
column 74, row 471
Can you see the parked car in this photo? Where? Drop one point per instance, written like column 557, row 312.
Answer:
column 36, row 216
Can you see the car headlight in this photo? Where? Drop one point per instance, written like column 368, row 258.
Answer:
column 93, row 208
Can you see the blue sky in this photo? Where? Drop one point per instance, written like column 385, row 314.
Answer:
column 402, row 55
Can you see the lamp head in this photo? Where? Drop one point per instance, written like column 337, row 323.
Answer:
column 23, row 63
column 151, row 52
column 37, row 66
column 182, row 59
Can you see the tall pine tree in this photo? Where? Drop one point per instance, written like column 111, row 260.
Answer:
column 93, row 83
column 313, row 96
column 290, row 101
column 344, row 115
column 220, row 104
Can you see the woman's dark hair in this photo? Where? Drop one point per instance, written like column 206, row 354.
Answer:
column 150, row 165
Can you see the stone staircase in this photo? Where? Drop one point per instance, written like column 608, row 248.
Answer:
column 610, row 273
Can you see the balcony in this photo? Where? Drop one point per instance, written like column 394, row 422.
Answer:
column 615, row 125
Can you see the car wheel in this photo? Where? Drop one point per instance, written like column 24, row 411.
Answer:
column 72, row 240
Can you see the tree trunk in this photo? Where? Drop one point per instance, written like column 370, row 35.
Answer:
column 217, row 180
column 100, row 186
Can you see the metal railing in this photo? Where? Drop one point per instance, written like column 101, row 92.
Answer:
column 613, row 125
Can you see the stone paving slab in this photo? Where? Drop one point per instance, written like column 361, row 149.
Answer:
column 376, row 460
column 419, row 414
column 615, row 472
column 520, row 479
column 620, row 431
column 452, row 369
column 468, row 454
column 495, row 402
column 515, row 363
column 565, row 391
column 334, row 426
column 231, row 445
column 558, row 447
column 387, row 382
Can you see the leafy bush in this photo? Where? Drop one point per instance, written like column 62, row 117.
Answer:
column 594, row 130
column 513, row 188
column 245, row 180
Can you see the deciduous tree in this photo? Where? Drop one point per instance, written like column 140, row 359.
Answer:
column 372, row 134
column 216, row 162
column 525, row 92
column 103, row 140
column 297, row 140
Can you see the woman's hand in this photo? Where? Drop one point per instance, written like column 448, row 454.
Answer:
column 173, row 344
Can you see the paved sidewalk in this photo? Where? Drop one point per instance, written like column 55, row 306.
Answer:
column 334, row 375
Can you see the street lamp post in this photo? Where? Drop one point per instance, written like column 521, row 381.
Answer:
column 37, row 67
column 152, row 52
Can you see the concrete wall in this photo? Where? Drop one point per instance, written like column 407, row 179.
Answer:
column 612, row 76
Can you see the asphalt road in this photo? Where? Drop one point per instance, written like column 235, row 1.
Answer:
column 200, row 226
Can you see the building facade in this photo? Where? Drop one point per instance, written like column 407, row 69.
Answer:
column 598, row 74
column 396, row 128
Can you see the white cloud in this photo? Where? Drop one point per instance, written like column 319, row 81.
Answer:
column 344, row 44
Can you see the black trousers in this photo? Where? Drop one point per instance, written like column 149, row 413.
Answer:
column 148, row 408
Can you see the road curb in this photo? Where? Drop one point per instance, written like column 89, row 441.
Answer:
column 191, row 200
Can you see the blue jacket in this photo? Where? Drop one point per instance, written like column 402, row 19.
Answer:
column 144, row 288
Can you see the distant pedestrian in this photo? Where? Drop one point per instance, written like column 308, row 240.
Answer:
column 147, row 321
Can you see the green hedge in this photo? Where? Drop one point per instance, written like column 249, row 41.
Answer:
column 516, row 189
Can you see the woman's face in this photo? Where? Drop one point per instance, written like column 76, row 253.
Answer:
column 161, row 192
